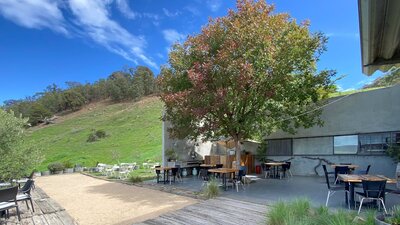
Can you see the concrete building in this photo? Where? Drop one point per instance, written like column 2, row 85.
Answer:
column 357, row 129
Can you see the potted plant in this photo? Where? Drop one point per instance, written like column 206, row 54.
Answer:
column 56, row 167
column 393, row 218
column 68, row 167
column 37, row 174
column 261, row 154
column 78, row 168
column 171, row 155
column 394, row 152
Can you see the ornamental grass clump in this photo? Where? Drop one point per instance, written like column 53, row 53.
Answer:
column 300, row 212
column 212, row 189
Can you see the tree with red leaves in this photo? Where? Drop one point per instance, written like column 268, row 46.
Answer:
column 246, row 74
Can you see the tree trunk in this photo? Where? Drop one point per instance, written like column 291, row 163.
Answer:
column 238, row 153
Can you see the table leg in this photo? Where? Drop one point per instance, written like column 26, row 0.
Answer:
column 164, row 176
column 224, row 181
column 158, row 178
column 350, row 187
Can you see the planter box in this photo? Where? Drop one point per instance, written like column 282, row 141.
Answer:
column 37, row 174
column 379, row 220
column 45, row 173
column 78, row 169
column 69, row 170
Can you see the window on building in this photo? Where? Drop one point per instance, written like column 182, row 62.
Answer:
column 345, row 144
column 281, row 147
column 375, row 142
column 313, row 146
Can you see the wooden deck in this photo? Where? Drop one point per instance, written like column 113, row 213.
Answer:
column 215, row 211
column 47, row 212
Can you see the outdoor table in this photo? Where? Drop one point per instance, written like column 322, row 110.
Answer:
column 207, row 165
column 166, row 171
column 224, row 172
column 275, row 165
column 351, row 179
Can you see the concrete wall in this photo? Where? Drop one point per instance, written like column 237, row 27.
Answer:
column 364, row 112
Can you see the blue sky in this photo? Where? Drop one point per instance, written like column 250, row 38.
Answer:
column 54, row 41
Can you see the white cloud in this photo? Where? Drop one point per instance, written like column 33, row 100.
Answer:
column 91, row 20
column 214, row 5
column 170, row 14
column 160, row 55
column 123, row 7
column 35, row 14
column 172, row 36
column 193, row 10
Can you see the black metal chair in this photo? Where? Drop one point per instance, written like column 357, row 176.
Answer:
column 158, row 172
column 204, row 176
column 285, row 168
column 373, row 190
column 174, row 172
column 8, row 200
column 267, row 170
column 362, row 172
column 24, row 193
column 332, row 189
column 340, row 170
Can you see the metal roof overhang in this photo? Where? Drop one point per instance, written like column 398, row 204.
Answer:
column 380, row 34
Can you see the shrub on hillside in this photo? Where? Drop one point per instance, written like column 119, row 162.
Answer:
column 96, row 135
column 92, row 138
column 68, row 164
column 101, row 134
column 55, row 167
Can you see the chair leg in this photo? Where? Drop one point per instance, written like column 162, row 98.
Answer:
column 361, row 203
column 383, row 204
column 19, row 216
column 327, row 198
column 27, row 205
column 33, row 209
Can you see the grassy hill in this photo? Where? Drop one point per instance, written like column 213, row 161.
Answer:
column 133, row 129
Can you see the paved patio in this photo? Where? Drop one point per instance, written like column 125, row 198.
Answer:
column 265, row 191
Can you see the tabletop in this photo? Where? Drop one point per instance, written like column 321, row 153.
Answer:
column 223, row 170
column 275, row 163
column 163, row 168
column 354, row 178
column 352, row 166
column 207, row 165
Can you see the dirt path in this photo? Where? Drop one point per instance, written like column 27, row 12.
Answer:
column 93, row 201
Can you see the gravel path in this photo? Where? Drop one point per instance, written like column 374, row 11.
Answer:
column 94, row 201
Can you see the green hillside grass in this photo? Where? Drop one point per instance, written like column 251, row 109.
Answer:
column 133, row 129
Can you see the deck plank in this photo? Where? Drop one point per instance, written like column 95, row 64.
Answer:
column 215, row 211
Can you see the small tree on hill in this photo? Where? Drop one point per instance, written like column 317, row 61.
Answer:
column 245, row 74
column 18, row 158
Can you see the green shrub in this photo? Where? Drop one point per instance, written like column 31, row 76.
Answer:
column 212, row 189
column 96, row 135
column 134, row 179
column 92, row 138
column 101, row 134
column 55, row 167
column 68, row 164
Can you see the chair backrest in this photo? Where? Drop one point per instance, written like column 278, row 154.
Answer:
column 157, row 171
column 27, row 187
column 286, row 166
column 367, row 170
column 219, row 165
column 374, row 189
column 244, row 169
column 8, row 194
column 241, row 173
column 204, row 174
column 326, row 176
column 174, row 171
column 341, row 170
